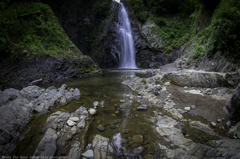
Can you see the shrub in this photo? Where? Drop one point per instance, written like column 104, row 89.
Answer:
column 198, row 52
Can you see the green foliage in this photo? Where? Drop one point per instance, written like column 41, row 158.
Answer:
column 226, row 24
column 167, row 7
column 188, row 62
column 173, row 31
column 32, row 29
column 139, row 10
column 144, row 81
column 142, row 16
column 198, row 52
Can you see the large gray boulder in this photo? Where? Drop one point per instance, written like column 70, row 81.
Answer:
column 102, row 147
column 17, row 106
column 62, row 132
column 194, row 78
column 233, row 107
column 8, row 95
column 47, row 146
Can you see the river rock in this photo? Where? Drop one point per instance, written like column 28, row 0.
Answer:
column 89, row 146
column 122, row 101
column 47, row 146
column 75, row 151
column 88, row 154
column 233, row 106
column 213, row 124
column 101, row 128
column 95, row 104
column 194, row 78
column 75, row 119
column 142, row 107
column 138, row 150
column 167, row 84
column 193, row 106
column 71, row 123
column 187, row 108
column 137, row 139
column 92, row 111
column 102, row 147
column 76, row 93
column 81, row 124
column 112, row 126
column 9, row 95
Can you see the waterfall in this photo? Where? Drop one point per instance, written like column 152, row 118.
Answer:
column 126, row 50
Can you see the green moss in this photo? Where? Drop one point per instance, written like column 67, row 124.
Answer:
column 144, row 81
column 29, row 29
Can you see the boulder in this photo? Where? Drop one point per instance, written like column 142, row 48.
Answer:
column 8, row 95
column 47, row 146
column 102, row 147
column 88, row 154
column 233, row 106
column 194, row 78
column 75, row 151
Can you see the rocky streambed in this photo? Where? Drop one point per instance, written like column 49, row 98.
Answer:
column 124, row 114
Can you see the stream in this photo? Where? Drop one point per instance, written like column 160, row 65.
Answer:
column 118, row 109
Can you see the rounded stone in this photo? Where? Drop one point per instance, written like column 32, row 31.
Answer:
column 92, row 111
column 101, row 128
column 137, row 139
column 74, row 119
column 193, row 106
column 187, row 108
column 137, row 150
column 213, row 124
column 112, row 126
column 149, row 156
column 70, row 123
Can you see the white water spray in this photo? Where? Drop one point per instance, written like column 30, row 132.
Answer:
column 126, row 47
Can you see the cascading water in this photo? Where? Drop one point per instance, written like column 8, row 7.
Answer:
column 126, row 45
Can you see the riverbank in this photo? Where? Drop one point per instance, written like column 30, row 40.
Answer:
column 157, row 119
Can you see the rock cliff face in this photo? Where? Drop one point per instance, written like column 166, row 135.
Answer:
column 20, row 73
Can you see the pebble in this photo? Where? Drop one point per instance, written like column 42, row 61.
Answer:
column 142, row 107
column 187, row 108
column 74, row 119
column 137, row 139
column 164, row 89
column 193, row 106
column 70, row 123
column 219, row 120
column 112, row 126
column 101, row 128
column 138, row 150
column 88, row 154
column 89, row 146
column 185, row 87
column 167, row 84
column 228, row 124
column 92, row 111
column 213, row 124
column 122, row 101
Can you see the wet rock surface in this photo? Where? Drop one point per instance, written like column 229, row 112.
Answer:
column 233, row 107
column 42, row 69
column 61, row 132
column 18, row 106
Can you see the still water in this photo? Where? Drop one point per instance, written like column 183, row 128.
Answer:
column 106, row 88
